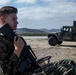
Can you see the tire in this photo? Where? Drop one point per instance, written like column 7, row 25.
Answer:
column 60, row 42
column 52, row 41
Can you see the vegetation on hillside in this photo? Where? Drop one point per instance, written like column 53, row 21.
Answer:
column 33, row 34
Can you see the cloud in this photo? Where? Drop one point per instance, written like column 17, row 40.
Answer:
column 53, row 14
column 54, row 10
column 44, row 12
column 26, row 1
column 4, row 2
column 36, row 13
column 57, row 0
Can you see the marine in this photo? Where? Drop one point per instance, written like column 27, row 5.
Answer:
column 11, row 63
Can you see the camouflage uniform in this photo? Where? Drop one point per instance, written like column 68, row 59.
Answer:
column 10, row 62
column 62, row 67
column 65, row 67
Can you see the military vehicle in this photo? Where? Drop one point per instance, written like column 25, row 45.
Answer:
column 67, row 33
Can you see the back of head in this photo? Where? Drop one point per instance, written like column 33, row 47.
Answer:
column 6, row 10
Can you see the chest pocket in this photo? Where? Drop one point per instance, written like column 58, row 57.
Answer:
column 1, row 71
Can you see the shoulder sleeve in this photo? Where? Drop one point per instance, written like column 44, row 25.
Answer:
column 15, row 58
column 9, row 64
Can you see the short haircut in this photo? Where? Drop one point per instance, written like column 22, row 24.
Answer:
column 6, row 10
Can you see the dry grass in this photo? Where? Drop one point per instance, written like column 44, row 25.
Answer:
column 67, row 50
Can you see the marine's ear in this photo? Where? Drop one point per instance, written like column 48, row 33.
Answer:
column 2, row 19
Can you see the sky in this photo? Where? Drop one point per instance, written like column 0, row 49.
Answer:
column 43, row 14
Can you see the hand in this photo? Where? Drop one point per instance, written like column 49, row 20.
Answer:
column 18, row 45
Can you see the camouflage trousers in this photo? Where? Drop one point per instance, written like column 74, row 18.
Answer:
column 62, row 67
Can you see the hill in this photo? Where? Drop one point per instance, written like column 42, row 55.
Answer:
column 27, row 30
column 24, row 31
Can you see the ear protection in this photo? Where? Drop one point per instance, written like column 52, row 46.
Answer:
column 2, row 18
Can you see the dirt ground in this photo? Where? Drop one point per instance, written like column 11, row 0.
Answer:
column 67, row 50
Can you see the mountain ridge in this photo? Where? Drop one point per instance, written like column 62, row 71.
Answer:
column 28, row 30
